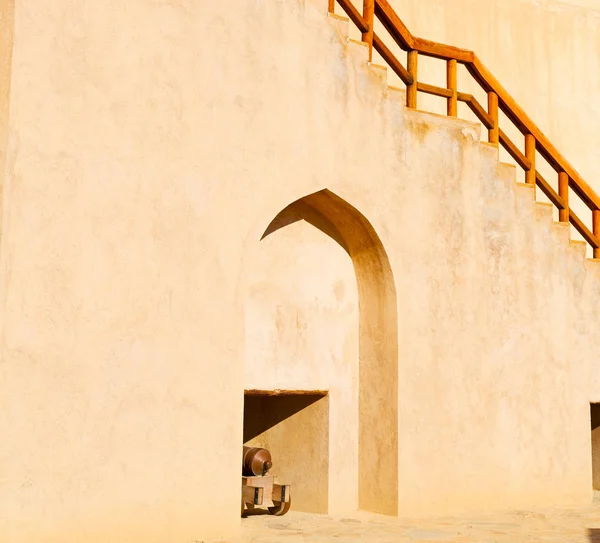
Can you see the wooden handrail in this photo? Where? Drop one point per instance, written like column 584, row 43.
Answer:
column 354, row 15
column 394, row 63
column 555, row 198
column 477, row 109
column 452, row 86
column 436, row 91
column 498, row 99
column 583, row 230
column 514, row 152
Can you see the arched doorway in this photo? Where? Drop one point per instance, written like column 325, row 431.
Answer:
column 375, row 330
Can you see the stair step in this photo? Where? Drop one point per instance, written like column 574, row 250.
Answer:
column 507, row 172
column 396, row 94
column 563, row 230
column 377, row 66
column 525, row 198
column 424, row 117
column 579, row 246
column 396, row 89
column 545, row 211
column 490, row 145
column 341, row 25
column 358, row 42
column 489, row 149
column 338, row 17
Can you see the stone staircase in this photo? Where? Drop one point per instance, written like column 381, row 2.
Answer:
column 525, row 193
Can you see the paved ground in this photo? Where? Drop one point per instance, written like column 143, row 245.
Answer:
column 580, row 525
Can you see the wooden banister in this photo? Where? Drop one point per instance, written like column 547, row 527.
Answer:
column 530, row 155
column 477, row 109
column 494, row 130
column 587, row 234
column 435, row 91
column 596, row 231
column 563, row 191
column 520, row 119
column 441, row 51
column 557, row 199
column 354, row 15
column 451, row 83
column 394, row 25
column 411, row 90
column 393, row 62
column 498, row 100
column 514, row 152
column 369, row 17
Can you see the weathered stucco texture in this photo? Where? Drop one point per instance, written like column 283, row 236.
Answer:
column 7, row 12
column 151, row 146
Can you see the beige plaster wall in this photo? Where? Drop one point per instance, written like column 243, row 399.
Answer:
column 6, row 44
column 150, row 145
column 593, row 4
column 122, row 334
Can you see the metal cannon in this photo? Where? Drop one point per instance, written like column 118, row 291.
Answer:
column 259, row 488
column 256, row 461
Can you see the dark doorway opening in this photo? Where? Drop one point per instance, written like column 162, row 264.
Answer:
column 595, row 418
column 294, row 427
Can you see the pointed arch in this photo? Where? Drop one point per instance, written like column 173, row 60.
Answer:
column 378, row 340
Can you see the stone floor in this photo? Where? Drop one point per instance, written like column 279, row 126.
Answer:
column 581, row 525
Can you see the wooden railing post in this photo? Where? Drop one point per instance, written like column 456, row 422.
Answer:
column 563, row 192
column 493, row 113
column 596, row 229
column 452, row 105
column 369, row 17
column 530, row 154
column 411, row 90
column 331, row 6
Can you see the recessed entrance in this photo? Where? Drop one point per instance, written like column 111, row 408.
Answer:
column 294, row 427
column 595, row 418
column 321, row 314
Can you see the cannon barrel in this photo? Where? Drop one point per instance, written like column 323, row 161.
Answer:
column 256, row 461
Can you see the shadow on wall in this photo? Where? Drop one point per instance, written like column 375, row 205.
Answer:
column 262, row 412
column 378, row 340
column 595, row 420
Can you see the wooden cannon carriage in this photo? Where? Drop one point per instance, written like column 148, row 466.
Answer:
column 259, row 488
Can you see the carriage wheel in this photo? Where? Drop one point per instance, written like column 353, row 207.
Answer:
column 246, row 508
column 280, row 508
